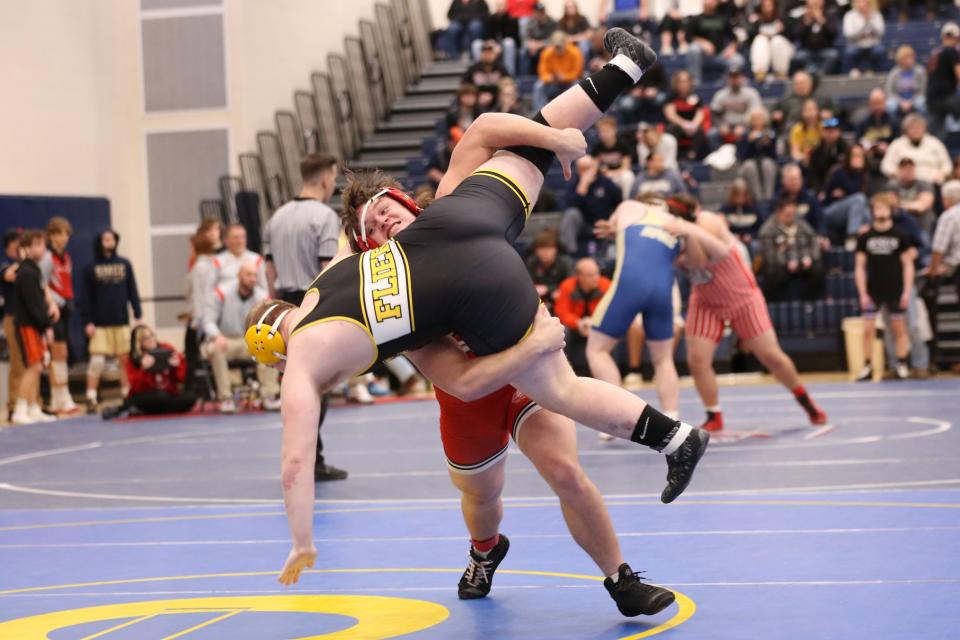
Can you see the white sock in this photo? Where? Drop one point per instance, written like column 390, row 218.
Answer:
column 628, row 66
column 20, row 407
column 714, row 409
column 92, row 395
column 673, row 415
column 614, row 577
column 677, row 438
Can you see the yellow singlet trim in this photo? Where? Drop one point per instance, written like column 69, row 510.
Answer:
column 511, row 183
column 366, row 330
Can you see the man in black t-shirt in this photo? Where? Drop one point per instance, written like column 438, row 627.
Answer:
column 712, row 40
column 884, row 275
column 944, row 70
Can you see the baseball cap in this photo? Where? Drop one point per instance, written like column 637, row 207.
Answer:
column 831, row 123
column 950, row 29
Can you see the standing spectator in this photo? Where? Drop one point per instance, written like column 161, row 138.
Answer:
column 466, row 25
column 614, row 154
column 504, row 29
column 806, row 134
column 863, row 29
column 57, row 269
column 223, row 330
column 592, row 197
column 906, row 85
column 814, row 33
column 687, row 118
column 793, row 189
column 536, row 34
column 560, row 66
column 651, row 138
column 743, row 216
column 731, row 107
column 548, row 266
column 846, row 209
column 657, row 180
column 576, row 26
column 202, row 278
column 916, row 196
column 299, row 240
column 769, row 43
column 792, row 265
column 485, row 75
column 712, row 41
column 879, row 128
column 927, row 152
column 826, row 155
column 944, row 66
column 577, row 299
column 945, row 261
column 110, row 288
column 757, row 155
column 32, row 321
column 467, row 107
column 884, row 275
column 234, row 254
column 9, row 265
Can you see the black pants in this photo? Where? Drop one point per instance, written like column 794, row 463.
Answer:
column 159, row 402
column 191, row 353
column 296, row 297
column 929, row 291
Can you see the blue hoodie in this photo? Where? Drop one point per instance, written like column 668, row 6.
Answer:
column 110, row 285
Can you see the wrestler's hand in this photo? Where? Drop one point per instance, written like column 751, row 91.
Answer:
column 548, row 333
column 603, row 229
column 297, row 561
column 568, row 146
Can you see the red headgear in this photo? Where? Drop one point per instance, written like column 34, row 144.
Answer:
column 396, row 195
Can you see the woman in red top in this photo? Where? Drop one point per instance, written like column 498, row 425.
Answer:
column 688, row 118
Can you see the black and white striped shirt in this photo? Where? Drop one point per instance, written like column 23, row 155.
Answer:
column 946, row 238
column 300, row 234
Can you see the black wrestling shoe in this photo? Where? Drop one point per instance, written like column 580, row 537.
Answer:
column 619, row 40
column 325, row 472
column 682, row 462
column 635, row 597
column 478, row 578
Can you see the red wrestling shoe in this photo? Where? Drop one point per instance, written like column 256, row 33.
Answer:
column 714, row 421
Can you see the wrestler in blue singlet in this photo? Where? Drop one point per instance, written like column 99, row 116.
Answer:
column 643, row 280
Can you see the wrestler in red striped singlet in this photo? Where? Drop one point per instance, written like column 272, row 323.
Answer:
column 726, row 291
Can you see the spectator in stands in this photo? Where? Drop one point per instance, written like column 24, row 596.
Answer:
column 110, row 288
column 927, row 152
column 793, row 189
column 614, row 154
column 599, row 55
column 439, row 160
column 657, row 180
column 791, row 261
column 536, row 37
column 688, row 119
column 757, row 155
column 576, row 300
column 880, row 126
column 592, row 197
column 712, row 41
column 846, row 190
column 806, row 134
column 944, row 65
column 673, row 25
column 223, row 329
column 651, row 138
column 826, row 155
column 57, row 268
column 906, row 85
column 202, row 278
column 945, row 261
column 10, row 262
column 884, row 275
column 916, row 196
column 789, row 109
column 955, row 174
column 32, row 322
column 466, row 109
column 576, row 26
column 814, row 33
column 156, row 373
column 863, row 29
column 548, row 265
column 621, row 13
column 561, row 65
column 770, row 47
column 234, row 254
column 743, row 216
column 508, row 98
column 731, row 106
column 503, row 29
column 466, row 25
column 644, row 103
column 910, row 225
column 485, row 75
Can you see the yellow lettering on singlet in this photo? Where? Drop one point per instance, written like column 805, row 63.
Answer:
column 383, row 274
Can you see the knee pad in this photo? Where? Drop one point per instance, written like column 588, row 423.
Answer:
column 97, row 363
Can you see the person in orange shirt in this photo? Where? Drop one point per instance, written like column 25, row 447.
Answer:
column 577, row 299
column 561, row 64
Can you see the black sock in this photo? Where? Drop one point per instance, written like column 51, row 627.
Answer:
column 654, row 429
column 606, row 85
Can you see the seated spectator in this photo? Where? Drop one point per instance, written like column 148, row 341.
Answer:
column 156, row 372
column 731, row 106
column 791, row 263
column 826, row 155
column 561, row 65
column 466, row 25
column 466, row 109
column 845, row 197
column 503, row 29
column 908, row 224
column 806, row 134
column 743, row 216
column 863, row 29
column 621, row 13
column 614, row 154
column 879, row 128
column 927, row 152
column 943, row 101
column 814, row 33
column 508, row 99
column 576, row 301
column 234, row 254
column 945, row 262
column 439, row 160
column 789, row 109
column 673, row 24
column 793, row 189
column 769, row 43
column 485, row 75
column 657, row 180
column 537, row 30
column 598, row 55
column 592, row 197
column 223, row 329
column 651, row 139
column 906, row 85
column 916, row 196
column 548, row 266
column 576, row 26
column 712, row 41
column 644, row 102
column 757, row 155
column 687, row 118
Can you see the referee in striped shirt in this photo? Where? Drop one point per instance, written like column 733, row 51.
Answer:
column 300, row 238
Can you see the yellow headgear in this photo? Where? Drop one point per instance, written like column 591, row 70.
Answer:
column 265, row 343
